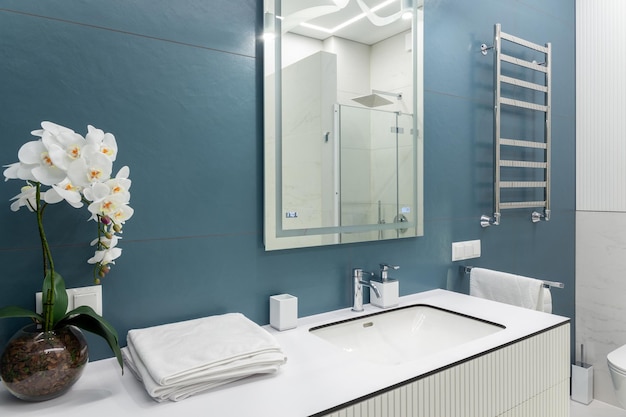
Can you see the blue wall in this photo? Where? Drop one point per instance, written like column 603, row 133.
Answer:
column 180, row 85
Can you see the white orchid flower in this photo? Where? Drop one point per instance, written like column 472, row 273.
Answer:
column 68, row 192
column 53, row 128
column 63, row 148
column 101, row 142
column 43, row 170
column 89, row 169
column 123, row 213
column 35, row 160
column 51, row 196
column 106, row 242
column 113, row 206
column 27, row 197
column 19, row 171
column 124, row 172
column 109, row 201
column 119, row 187
column 96, row 192
column 105, row 257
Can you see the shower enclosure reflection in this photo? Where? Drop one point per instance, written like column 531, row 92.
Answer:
column 343, row 160
column 376, row 149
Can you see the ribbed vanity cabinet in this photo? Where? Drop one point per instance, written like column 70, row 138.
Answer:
column 527, row 378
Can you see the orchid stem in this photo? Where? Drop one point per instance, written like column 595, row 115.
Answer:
column 48, row 263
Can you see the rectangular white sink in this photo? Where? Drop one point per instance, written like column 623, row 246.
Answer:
column 404, row 334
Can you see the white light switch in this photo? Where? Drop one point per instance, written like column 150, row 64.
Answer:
column 76, row 297
column 89, row 299
column 465, row 250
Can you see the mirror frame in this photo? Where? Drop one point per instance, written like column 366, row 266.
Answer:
column 275, row 236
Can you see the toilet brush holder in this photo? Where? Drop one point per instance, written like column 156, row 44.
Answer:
column 582, row 382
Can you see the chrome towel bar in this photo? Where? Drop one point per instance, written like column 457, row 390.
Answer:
column 548, row 284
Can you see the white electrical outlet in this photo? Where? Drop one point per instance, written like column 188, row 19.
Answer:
column 465, row 250
column 84, row 296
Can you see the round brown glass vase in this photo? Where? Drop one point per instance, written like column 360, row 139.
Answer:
column 38, row 365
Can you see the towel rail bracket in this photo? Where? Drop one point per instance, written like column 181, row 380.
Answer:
column 537, row 217
column 486, row 221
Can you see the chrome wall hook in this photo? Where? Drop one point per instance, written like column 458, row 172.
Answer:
column 484, row 48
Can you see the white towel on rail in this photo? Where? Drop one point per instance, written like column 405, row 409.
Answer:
column 508, row 288
column 546, row 301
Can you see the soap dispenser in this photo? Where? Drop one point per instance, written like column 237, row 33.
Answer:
column 388, row 289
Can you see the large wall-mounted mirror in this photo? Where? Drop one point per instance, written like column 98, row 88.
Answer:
column 343, row 121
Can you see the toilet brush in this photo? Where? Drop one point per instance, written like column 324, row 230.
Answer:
column 582, row 380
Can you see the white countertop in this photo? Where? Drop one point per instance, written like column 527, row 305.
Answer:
column 317, row 375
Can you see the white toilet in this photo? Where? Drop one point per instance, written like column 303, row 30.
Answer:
column 617, row 367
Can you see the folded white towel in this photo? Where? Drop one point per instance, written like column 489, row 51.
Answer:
column 130, row 363
column 182, row 390
column 180, row 359
column 507, row 288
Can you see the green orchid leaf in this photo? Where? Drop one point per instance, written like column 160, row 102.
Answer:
column 84, row 317
column 59, row 297
column 15, row 312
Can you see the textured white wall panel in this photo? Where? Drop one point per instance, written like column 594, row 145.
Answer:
column 600, row 105
column 600, row 184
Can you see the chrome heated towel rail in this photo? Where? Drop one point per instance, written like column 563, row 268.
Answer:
column 525, row 156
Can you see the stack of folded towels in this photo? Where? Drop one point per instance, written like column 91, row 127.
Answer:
column 175, row 361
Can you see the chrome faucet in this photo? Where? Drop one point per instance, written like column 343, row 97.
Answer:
column 357, row 288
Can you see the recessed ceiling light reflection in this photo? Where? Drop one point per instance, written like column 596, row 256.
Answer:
column 349, row 21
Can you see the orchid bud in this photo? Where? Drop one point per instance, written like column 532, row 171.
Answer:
column 108, row 235
column 105, row 220
column 117, row 227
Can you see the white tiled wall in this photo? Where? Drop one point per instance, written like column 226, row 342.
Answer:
column 600, row 292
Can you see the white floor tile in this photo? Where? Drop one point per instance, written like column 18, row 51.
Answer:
column 595, row 409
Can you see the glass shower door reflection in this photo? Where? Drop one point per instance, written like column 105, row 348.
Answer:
column 376, row 159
